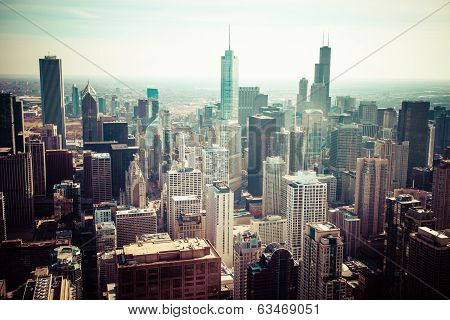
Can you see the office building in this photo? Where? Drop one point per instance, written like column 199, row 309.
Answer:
column 101, row 177
column 429, row 261
column 49, row 135
column 52, row 94
column 441, row 194
column 7, row 131
column 45, row 286
column 115, row 131
column 182, row 182
column 312, row 125
column 16, row 184
column 270, row 229
column 229, row 137
column 76, row 101
column 89, row 113
column 190, row 225
column 350, row 225
column 321, row 268
column 3, row 234
column 158, row 268
column 215, row 166
column 132, row 223
column 397, row 156
column 66, row 262
column 247, row 247
column 277, row 268
column 331, row 182
column 59, row 167
column 274, row 168
column 302, row 95
column 105, row 237
column 37, row 150
column 260, row 133
column 370, row 195
column 306, row 203
column 247, row 108
column 367, row 112
column 219, row 220
column 413, row 127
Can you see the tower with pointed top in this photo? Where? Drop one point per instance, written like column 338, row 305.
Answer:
column 229, row 86
column 89, row 114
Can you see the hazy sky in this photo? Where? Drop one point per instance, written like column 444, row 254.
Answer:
column 275, row 40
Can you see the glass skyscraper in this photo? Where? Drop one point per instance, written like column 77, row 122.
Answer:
column 229, row 86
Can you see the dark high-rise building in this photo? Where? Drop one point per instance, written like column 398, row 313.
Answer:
column 52, row 94
column 71, row 190
column 7, row 122
column 296, row 151
column 322, row 78
column 142, row 110
column 261, row 101
column 246, row 107
column 37, row 150
column 442, row 132
column 121, row 156
column 50, row 137
column 75, row 101
column 441, row 194
column 413, row 127
column 18, row 125
column 428, row 265
column 89, row 114
column 59, row 167
column 396, row 210
column 260, row 133
column 3, row 235
column 16, row 183
column 277, row 268
column 115, row 131
column 87, row 174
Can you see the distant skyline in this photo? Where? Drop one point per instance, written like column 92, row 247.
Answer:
column 180, row 40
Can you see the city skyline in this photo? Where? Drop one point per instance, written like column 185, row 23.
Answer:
column 173, row 31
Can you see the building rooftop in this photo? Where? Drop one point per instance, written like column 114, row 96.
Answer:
column 437, row 237
column 100, row 156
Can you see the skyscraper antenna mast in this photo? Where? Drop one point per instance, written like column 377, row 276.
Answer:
column 229, row 38
column 323, row 39
column 328, row 42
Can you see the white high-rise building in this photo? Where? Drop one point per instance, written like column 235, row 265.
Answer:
column 184, row 206
column 306, row 203
column 270, row 229
column 135, row 185
column 321, row 268
column 331, row 182
column 312, row 124
column 219, row 220
column 215, row 164
column 132, row 223
column 182, row 182
column 274, row 168
column 247, row 248
column 229, row 85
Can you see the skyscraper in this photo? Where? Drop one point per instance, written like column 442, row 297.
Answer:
column 370, row 195
column 441, row 194
column 247, row 248
column 350, row 226
column 132, row 223
column 321, row 85
column 274, row 168
column 321, row 267
column 215, row 165
column 277, row 268
column 89, row 112
column 115, row 131
column 413, row 127
column 397, row 156
column 247, row 108
column 59, row 167
column 219, row 219
column 19, row 137
column 3, row 234
column 105, row 236
column 270, row 229
column 306, row 202
column 312, row 124
column 37, row 150
column 260, row 138
column 7, row 122
column 101, row 177
column 429, row 261
column 302, row 95
column 135, row 185
column 67, row 263
column 368, row 112
column 182, row 182
column 52, row 94
column 229, row 85
column 16, row 183
column 76, row 101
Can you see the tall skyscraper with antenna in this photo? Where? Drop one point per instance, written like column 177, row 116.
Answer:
column 320, row 89
column 229, row 86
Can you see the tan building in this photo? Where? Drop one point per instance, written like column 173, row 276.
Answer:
column 157, row 267
column 191, row 225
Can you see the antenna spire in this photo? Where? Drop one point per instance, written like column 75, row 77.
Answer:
column 328, row 42
column 229, row 37
column 323, row 37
